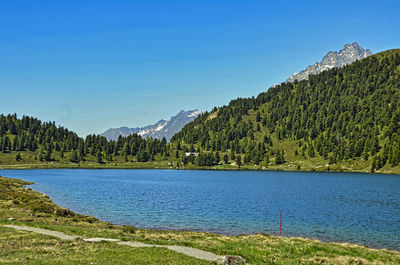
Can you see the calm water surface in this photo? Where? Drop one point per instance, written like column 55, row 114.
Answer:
column 359, row 208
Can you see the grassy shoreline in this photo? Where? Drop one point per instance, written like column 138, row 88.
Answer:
column 31, row 208
column 148, row 165
column 293, row 163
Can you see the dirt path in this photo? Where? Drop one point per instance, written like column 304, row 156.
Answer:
column 192, row 252
column 44, row 232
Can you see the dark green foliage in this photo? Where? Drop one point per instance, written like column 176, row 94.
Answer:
column 6, row 144
column 74, row 156
column 373, row 166
column 130, row 229
column 226, row 159
column 280, row 157
column 205, row 159
column 339, row 114
column 99, row 157
column 185, row 159
column 46, row 139
column 239, row 161
column 217, row 158
column 64, row 212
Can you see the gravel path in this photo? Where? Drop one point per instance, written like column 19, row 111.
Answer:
column 192, row 252
column 44, row 232
column 197, row 253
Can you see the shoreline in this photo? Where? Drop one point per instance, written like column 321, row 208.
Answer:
column 169, row 229
column 233, row 234
column 27, row 213
column 213, row 168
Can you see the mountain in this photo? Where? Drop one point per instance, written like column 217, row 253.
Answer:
column 343, row 118
column 158, row 130
column 349, row 54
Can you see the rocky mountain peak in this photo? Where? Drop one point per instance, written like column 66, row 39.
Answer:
column 162, row 128
column 350, row 53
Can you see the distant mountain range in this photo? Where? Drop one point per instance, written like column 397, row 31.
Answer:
column 349, row 54
column 163, row 128
column 160, row 129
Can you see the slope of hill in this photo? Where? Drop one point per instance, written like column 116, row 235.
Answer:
column 348, row 116
column 30, row 141
column 349, row 54
column 158, row 130
column 341, row 119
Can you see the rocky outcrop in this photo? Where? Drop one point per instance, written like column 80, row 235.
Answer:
column 349, row 54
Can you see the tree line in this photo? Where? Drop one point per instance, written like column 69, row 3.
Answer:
column 341, row 114
column 46, row 139
column 338, row 115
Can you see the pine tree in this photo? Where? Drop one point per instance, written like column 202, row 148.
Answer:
column 373, row 166
column 99, row 157
column 226, row 159
column 311, row 151
column 73, row 156
column 185, row 159
column 47, row 155
column 6, row 145
column 239, row 160
column 217, row 158
column 280, row 157
column 15, row 144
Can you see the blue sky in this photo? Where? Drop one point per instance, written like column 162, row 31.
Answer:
column 92, row 65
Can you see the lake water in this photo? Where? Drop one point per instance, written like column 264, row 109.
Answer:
column 341, row 207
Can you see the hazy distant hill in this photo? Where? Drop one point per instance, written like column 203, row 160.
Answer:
column 349, row 54
column 160, row 129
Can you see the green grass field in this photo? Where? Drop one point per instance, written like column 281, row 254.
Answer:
column 293, row 163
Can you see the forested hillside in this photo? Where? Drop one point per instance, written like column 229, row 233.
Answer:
column 31, row 140
column 346, row 114
column 341, row 119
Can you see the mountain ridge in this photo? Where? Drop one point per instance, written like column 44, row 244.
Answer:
column 333, row 59
column 160, row 129
column 341, row 119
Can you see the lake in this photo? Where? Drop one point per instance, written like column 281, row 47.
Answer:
column 341, row 207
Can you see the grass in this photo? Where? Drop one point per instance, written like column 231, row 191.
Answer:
column 19, row 247
column 293, row 163
column 31, row 208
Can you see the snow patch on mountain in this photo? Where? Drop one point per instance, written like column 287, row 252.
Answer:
column 158, row 130
column 194, row 113
column 349, row 54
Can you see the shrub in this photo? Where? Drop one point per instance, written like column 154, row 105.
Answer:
column 130, row 229
column 43, row 208
column 64, row 212
column 91, row 219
